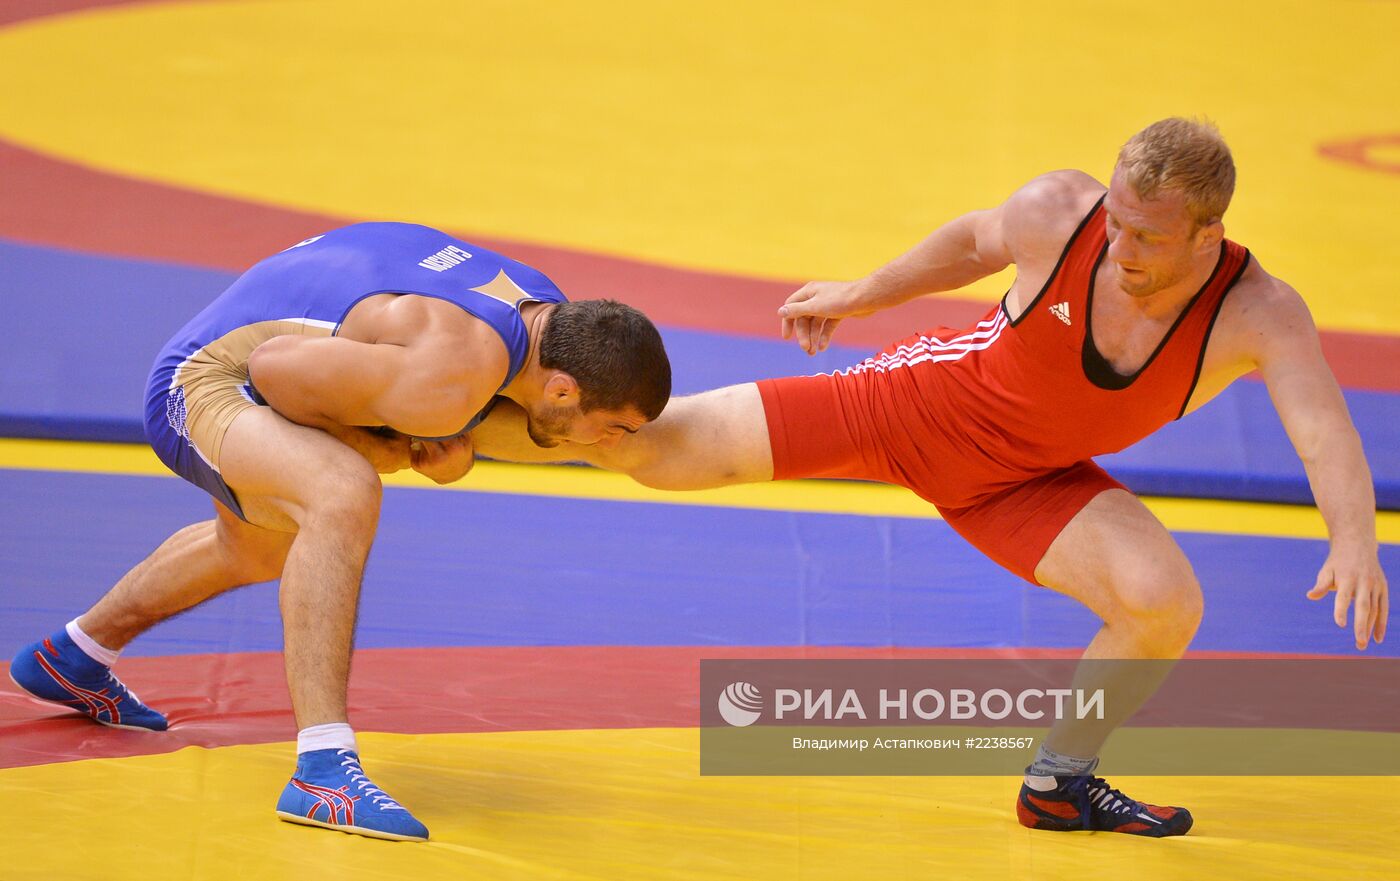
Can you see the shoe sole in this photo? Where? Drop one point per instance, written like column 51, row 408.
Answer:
column 79, row 712
column 349, row 830
column 1063, row 831
column 1047, row 824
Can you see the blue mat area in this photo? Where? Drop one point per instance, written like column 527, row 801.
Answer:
column 95, row 324
column 1236, row 448
column 92, row 328
column 455, row 568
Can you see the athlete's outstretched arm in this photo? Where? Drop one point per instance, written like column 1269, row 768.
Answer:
column 715, row 438
column 958, row 253
column 1314, row 413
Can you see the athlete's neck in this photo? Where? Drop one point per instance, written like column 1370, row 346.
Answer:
column 528, row 384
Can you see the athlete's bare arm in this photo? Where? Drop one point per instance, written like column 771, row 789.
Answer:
column 321, row 381
column 1266, row 326
column 1029, row 230
column 420, row 368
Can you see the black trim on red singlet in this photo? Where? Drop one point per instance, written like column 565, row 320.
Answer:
column 1201, row 358
column 1054, row 272
column 1096, row 367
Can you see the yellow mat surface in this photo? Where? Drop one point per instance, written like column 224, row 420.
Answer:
column 771, row 139
column 625, row 805
column 813, row 496
column 776, row 139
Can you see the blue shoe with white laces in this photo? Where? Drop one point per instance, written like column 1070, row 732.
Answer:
column 56, row 670
column 330, row 790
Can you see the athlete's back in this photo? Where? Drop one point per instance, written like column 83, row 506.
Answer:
column 200, row 380
column 315, row 284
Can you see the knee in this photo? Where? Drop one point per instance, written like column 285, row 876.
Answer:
column 1164, row 605
column 346, row 499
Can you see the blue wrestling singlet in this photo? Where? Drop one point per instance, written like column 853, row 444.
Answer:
column 200, row 379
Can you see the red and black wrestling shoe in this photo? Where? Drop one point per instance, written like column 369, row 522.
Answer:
column 1082, row 803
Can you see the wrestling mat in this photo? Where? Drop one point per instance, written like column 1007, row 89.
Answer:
column 527, row 680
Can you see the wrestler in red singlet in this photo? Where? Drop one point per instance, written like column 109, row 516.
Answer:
column 996, row 425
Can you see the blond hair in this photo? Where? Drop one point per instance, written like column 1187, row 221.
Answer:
column 1185, row 155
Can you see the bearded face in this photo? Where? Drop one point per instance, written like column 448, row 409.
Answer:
column 549, row 425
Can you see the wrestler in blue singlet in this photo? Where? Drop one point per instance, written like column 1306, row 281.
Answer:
column 200, row 379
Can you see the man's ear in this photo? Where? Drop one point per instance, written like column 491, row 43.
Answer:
column 1210, row 235
column 561, row 389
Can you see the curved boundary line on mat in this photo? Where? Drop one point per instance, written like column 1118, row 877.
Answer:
column 424, row 691
column 49, row 201
column 804, row 496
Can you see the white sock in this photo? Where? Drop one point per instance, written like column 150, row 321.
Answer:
column 1048, row 764
column 89, row 645
column 332, row 735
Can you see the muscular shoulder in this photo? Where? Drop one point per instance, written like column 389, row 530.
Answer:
column 1264, row 317
column 1040, row 217
column 452, row 362
column 446, row 338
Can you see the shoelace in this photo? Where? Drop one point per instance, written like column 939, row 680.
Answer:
column 380, row 798
column 1095, row 793
column 121, row 692
column 112, row 687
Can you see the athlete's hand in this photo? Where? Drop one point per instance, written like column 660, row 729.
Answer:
column 444, row 461
column 813, row 311
column 1355, row 574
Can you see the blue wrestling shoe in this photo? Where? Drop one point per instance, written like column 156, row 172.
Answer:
column 56, row 670
column 1084, row 803
column 330, row 790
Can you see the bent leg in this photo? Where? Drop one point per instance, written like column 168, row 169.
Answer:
column 1118, row 559
column 715, row 438
column 292, row 478
column 193, row 565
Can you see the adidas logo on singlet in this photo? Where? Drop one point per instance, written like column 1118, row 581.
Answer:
column 445, row 259
column 1061, row 311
